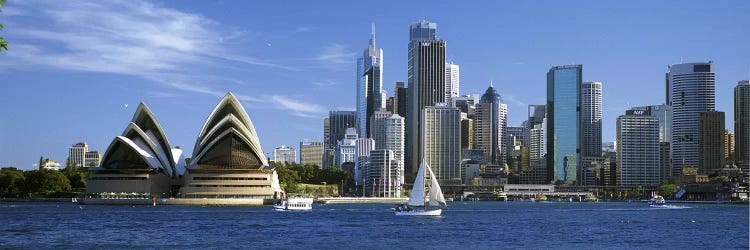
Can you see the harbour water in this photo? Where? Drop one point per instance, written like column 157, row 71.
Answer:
column 477, row 225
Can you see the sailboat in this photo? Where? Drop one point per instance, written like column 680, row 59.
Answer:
column 419, row 204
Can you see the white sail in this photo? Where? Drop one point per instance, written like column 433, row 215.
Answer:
column 435, row 194
column 417, row 193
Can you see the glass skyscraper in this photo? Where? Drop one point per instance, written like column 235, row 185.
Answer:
column 563, row 123
column 742, row 125
column 370, row 95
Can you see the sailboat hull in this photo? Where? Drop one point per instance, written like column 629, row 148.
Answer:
column 435, row 212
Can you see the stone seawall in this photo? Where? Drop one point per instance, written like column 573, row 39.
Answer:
column 180, row 202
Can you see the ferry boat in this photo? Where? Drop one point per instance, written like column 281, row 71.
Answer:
column 294, row 204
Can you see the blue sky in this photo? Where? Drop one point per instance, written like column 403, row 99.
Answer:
column 73, row 65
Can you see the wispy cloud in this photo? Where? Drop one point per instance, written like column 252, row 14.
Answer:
column 301, row 29
column 325, row 83
column 512, row 99
column 336, row 56
column 138, row 38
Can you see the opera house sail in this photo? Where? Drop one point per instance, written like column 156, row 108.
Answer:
column 138, row 161
column 228, row 161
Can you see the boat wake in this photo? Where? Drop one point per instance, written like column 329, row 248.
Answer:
column 668, row 207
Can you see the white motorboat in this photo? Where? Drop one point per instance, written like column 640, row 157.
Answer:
column 294, row 204
column 420, row 204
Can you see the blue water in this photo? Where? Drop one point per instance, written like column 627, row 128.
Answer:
column 478, row 225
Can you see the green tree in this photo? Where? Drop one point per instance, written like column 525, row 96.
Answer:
column 11, row 183
column 719, row 179
column 77, row 179
column 45, row 182
column 3, row 43
column 667, row 190
column 288, row 178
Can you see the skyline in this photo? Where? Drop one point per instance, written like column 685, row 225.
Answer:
column 52, row 74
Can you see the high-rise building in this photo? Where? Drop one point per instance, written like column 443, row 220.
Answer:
column 441, row 142
column 77, row 155
column 452, row 82
column 742, row 125
column 389, row 105
column 728, row 146
column 665, row 161
column 311, row 153
column 662, row 112
column 591, row 119
column 370, row 95
column 711, row 142
column 467, row 132
column 503, row 120
column 488, row 124
column 346, row 148
column 467, row 104
column 377, row 132
column 690, row 91
column 426, row 80
column 383, row 176
column 93, row 159
column 637, row 149
column 285, row 155
column 338, row 122
column 536, row 172
column 400, row 99
column 363, row 146
column 563, row 122
column 388, row 133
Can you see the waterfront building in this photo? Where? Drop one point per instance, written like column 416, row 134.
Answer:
column 284, row 155
column 426, row 80
column 346, row 148
column 228, row 160
column 400, row 98
column 503, row 120
column 370, row 94
column 140, row 160
column 742, row 126
column 467, row 132
column 662, row 112
column 48, row 164
column 591, row 130
column 536, row 172
column 563, row 122
column 388, row 133
column 311, row 153
column 637, row 149
column 728, row 146
column 488, row 126
column 452, row 82
column 665, row 161
column 338, row 122
column 92, row 159
column 383, row 176
column 609, row 168
column 441, row 142
column 711, row 142
column 77, row 155
column 690, row 91
column 363, row 146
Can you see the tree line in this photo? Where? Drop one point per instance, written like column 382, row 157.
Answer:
column 41, row 183
column 291, row 175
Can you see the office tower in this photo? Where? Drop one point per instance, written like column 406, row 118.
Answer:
column 338, row 122
column 536, row 172
column 77, row 155
column 467, row 132
column 285, row 155
column 346, row 148
column 388, row 133
column 742, row 125
column 311, row 153
column 452, row 82
column 662, row 112
column 441, row 140
column 503, row 121
column 563, row 122
column 515, row 139
column 92, row 159
column 710, row 142
column 383, row 175
column 591, row 119
column 488, row 126
column 426, row 80
column 728, row 146
column 467, row 104
column 378, row 132
column 690, row 91
column 389, row 105
column 370, row 95
column 637, row 149
column 665, row 161
column 520, row 134
column 400, row 98
column 363, row 146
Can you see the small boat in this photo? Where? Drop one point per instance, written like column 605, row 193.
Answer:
column 294, row 204
column 420, row 204
column 658, row 201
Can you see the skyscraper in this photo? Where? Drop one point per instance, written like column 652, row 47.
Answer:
column 591, row 119
column 382, row 177
column 537, row 124
column 662, row 112
column 363, row 147
column 466, row 103
column 388, row 133
column 441, row 142
column 503, row 120
column 338, row 122
column 728, row 146
column 400, row 98
column 488, row 126
column 690, row 91
column 311, row 153
column 370, row 95
column 285, row 155
column 452, row 82
column 426, row 79
column 467, row 132
column 742, row 125
column 563, row 122
column 637, row 149
column 711, row 142
column 346, row 148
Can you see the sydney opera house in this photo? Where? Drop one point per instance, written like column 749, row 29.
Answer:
column 227, row 163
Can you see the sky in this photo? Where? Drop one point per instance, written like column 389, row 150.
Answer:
column 76, row 70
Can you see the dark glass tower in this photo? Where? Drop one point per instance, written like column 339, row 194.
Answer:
column 563, row 122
